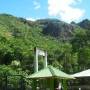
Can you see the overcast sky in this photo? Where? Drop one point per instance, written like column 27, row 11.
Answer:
column 65, row 10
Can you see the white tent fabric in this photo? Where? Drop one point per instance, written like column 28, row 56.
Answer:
column 85, row 73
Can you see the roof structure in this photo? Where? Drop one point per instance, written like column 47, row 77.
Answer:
column 85, row 73
column 50, row 72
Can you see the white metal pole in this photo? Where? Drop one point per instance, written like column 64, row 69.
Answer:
column 36, row 60
column 45, row 61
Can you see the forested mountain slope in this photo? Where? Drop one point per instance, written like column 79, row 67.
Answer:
column 68, row 45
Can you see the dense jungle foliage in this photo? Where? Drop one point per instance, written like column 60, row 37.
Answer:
column 68, row 45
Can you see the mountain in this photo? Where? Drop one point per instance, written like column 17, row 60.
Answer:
column 56, row 28
column 85, row 24
column 65, row 43
column 18, row 37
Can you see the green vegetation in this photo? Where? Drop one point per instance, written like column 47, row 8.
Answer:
column 68, row 45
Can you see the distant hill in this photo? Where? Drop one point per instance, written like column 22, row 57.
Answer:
column 49, row 27
column 85, row 24
column 57, row 28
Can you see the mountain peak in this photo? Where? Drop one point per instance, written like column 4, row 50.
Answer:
column 85, row 24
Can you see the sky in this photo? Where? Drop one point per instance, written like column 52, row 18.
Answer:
column 64, row 10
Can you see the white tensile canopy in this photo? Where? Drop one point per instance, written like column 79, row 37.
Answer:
column 85, row 73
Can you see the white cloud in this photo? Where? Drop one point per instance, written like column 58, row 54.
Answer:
column 36, row 5
column 65, row 9
column 31, row 19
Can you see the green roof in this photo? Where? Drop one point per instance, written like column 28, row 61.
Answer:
column 50, row 72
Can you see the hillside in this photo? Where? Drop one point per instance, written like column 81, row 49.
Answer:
column 57, row 29
column 18, row 39
column 65, row 43
column 85, row 24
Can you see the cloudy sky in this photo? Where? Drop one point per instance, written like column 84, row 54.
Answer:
column 65, row 10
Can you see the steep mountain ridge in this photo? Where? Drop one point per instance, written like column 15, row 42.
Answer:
column 48, row 27
column 85, row 24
